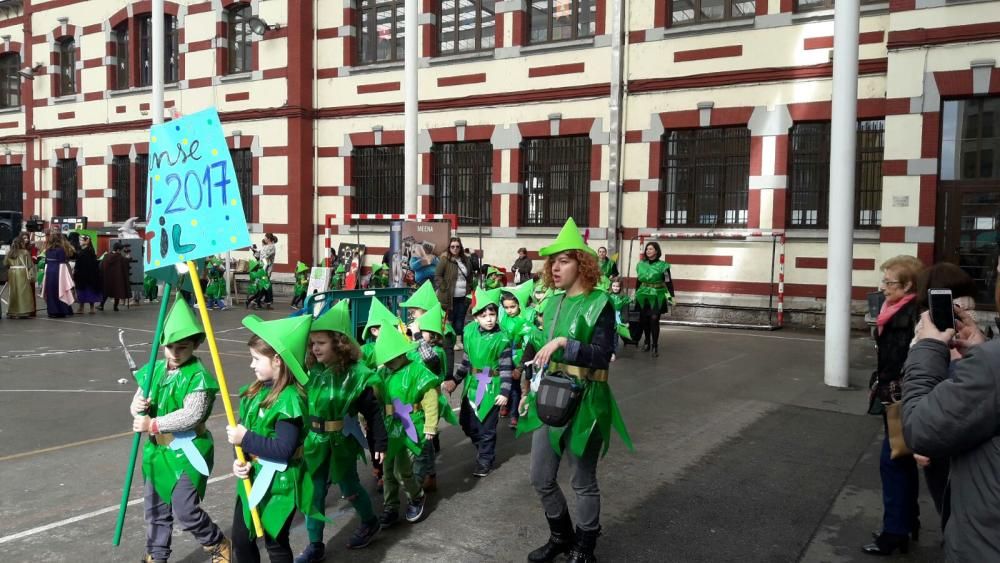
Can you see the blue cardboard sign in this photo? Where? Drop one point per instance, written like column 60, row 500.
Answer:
column 194, row 207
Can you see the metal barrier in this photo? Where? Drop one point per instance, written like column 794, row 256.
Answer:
column 361, row 301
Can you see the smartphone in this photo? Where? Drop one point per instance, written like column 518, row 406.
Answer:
column 942, row 309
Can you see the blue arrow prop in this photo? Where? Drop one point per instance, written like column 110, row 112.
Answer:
column 262, row 483
column 483, row 379
column 184, row 441
column 402, row 411
column 353, row 428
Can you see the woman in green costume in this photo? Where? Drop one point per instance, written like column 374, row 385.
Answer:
column 655, row 292
column 180, row 399
column 579, row 328
column 272, row 414
column 411, row 401
column 340, row 387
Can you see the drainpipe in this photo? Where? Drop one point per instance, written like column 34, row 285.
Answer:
column 843, row 140
column 616, row 115
column 410, row 108
column 157, row 55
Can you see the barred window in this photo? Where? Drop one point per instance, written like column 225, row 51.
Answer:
column 705, row 177
column 560, row 20
column 382, row 31
column 243, row 163
column 463, row 177
column 170, row 50
column 11, row 187
column 377, row 175
column 239, row 44
column 141, row 184
column 66, row 182
column 556, row 175
column 67, row 67
column 705, row 11
column 121, row 183
column 467, row 25
column 10, row 87
column 809, row 175
column 121, row 56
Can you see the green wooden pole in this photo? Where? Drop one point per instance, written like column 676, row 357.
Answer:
column 137, row 437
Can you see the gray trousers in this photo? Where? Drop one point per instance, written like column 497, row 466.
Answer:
column 544, row 478
column 186, row 508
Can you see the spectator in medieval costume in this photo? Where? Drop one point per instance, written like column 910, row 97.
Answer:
column 114, row 269
column 57, row 287
column 86, row 273
column 20, row 280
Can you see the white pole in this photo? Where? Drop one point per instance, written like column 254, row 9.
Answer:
column 157, row 41
column 410, row 109
column 843, row 141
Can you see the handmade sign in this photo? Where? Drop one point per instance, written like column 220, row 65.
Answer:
column 195, row 209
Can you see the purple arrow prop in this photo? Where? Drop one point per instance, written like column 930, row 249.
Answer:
column 483, row 378
column 402, row 411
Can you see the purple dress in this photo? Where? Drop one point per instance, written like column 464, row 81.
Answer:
column 55, row 258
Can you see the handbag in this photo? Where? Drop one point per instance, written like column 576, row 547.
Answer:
column 894, row 428
column 558, row 394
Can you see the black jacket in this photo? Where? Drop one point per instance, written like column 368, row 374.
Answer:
column 894, row 343
column 959, row 418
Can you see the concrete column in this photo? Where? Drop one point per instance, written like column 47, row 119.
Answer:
column 410, row 109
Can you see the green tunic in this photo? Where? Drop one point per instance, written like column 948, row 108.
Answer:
column 598, row 410
column 160, row 464
column 216, row 288
column 652, row 286
column 149, row 287
column 408, row 385
column 518, row 330
column 368, row 355
column 619, row 301
column 484, row 350
column 379, row 280
column 444, row 408
column 259, row 280
column 331, row 396
column 283, row 497
column 301, row 283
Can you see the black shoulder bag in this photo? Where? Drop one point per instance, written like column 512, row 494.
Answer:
column 558, row 394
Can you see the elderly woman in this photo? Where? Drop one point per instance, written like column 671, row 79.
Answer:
column 895, row 326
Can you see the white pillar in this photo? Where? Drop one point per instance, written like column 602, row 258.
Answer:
column 843, row 140
column 410, row 109
column 156, row 53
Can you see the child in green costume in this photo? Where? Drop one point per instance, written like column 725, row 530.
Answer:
column 181, row 394
column 337, row 281
column 621, row 301
column 149, row 288
column 301, row 285
column 260, row 286
column 517, row 320
column 487, row 366
column 411, row 407
column 494, row 278
column 339, row 388
column 272, row 415
column 380, row 276
column 215, row 291
column 378, row 315
column 424, row 299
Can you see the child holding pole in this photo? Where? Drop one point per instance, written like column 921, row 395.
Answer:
column 272, row 413
column 181, row 397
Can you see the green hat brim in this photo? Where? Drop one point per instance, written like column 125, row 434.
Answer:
column 337, row 319
column 485, row 298
column 432, row 320
column 181, row 324
column 569, row 239
column 378, row 315
column 423, row 298
column 289, row 338
column 390, row 345
column 301, row 267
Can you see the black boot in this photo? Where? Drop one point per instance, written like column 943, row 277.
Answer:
column 887, row 544
column 656, row 351
column 560, row 540
column 583, row 547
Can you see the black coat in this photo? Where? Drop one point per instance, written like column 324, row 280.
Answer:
column 894, row 345
column 86, row 272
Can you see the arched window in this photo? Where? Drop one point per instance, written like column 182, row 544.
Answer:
column 239, row 47
column 67, row 67
column 171, row 57
column 10, row 81
column 121, row 80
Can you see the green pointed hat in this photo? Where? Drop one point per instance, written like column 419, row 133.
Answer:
column 492, row 271
column 423, row 298
column 180, row 324
column 378, row 267
column 289, row 337
column 391, row 344
column 522, row 293
column 378, row 315
column 569, row 239
column 300, row 267
column 252, row 264
column 337, row 319
column 481, row 298
column 432, row 320
column 340, row 269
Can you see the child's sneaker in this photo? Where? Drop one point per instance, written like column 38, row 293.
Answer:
column 221, row 552
column 415, row 510
column 482, row 471
column 149, row 559
column 364, row 534
column 313, row 553
column 389, row 518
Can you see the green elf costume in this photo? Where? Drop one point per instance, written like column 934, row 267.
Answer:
column 216, row 288
column 149, row 287
column 494, row 278
column 178, row 457
column 619, row 301
column 273, row 442
column 655, row 291
column 301, row 285
column 411, row 403
column 380, row 276
column 260, row 281
column 487, row 370
column 253, row 285
column 586, row 324
column 337, row 281
column 424, row 299
column 519, row 329
column 335, row 442
column 378, row 316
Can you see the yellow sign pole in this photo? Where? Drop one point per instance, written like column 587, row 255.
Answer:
column 223, row 389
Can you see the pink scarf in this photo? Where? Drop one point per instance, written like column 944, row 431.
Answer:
column 889, row 311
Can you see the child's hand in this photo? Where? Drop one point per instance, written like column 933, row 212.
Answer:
column 448, row 386
column 522, row 409
column 516, row 374
column 501, row 401
column 139, row 404
column 379, row 456
column 428, row 437
column 141, row 423
column 241, row 470
column 235, row 434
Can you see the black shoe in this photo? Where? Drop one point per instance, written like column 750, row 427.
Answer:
column 482, row 471
column 415, row 510
column 887, row 544
column 364, row 534
column 645, row 347
column 656, row 352
column 560, row 540
column 313, row 553
column 389, row 518
column 583, row 546
column 914, row 534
